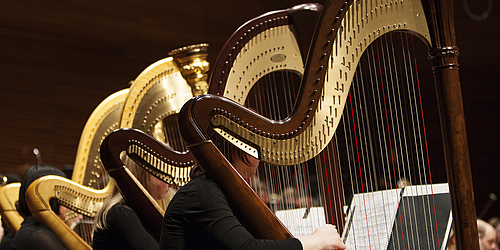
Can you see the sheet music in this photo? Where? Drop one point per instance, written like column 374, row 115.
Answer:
column 373, row 217
column 370, row 219
column 311, row 219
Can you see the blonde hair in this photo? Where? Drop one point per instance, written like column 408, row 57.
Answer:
column 101, row 216
column 144, row 178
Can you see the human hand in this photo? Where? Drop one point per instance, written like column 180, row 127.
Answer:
column 324, row 237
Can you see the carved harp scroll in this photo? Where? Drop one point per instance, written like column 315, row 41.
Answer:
column 267, row 138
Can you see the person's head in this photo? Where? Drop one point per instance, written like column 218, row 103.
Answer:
column 487, row 235
column 451, row 241
column 30, row 176
column 156, row 187
column 495, row 222
column 11, row 178
column 245, row 164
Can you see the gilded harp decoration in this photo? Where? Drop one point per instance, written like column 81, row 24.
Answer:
column 345, row 31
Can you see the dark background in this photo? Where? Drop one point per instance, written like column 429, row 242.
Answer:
column 60, row 59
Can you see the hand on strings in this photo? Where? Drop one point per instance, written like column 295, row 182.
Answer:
column 324, row 237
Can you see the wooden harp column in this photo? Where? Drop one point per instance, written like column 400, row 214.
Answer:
column 444, row 58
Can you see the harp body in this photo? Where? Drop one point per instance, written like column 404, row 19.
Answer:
column 344, row 31
column 9, row 194
column 145, row 151
column 156, row 97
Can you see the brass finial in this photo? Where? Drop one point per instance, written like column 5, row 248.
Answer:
column 192, row 60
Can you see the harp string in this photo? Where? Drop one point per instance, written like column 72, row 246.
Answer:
column 389, row 138
column 386, row 132
column 289, row 186
column 426, row 152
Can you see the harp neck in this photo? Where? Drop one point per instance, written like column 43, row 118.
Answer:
column 170, row 166
column 74, row 196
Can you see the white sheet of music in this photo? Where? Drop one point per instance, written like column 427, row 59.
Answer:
column 371, row 214
column 311, row 219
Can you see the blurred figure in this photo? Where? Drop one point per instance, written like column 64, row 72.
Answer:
column 7, row 235
column 451, row 241
column 116, row 225
column 495, row 222
column 33, row 235
column 487, row 235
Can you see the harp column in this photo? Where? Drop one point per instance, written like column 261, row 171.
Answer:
column 444, row 61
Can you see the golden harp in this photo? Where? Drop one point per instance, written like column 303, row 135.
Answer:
column 90, row 185
column 345, row 31
column 8, row 198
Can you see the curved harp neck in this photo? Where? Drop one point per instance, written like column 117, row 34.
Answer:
column 76, row 197
column 155, row 158
column 258, row 26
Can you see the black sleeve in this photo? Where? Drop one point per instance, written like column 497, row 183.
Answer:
column 43, row 240
column 208, row 209
column 126, row 222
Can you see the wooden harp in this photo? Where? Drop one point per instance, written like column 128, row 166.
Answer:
column 343, row 33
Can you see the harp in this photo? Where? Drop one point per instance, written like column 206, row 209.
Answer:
column 81, row 199
column 90, row 185
column 343, row 34
column 152, row 106
column 146, row 148
column 8, row 198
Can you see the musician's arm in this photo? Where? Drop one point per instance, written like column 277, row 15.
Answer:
column 200, row 213
column 36, row 237
column 123, row 221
